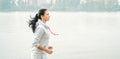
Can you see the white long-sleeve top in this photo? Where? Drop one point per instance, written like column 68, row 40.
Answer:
column 41, row 36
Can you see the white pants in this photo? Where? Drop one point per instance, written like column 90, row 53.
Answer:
column 36, row 55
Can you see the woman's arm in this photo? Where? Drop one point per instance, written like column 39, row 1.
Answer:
column 49, row 51
column 38, row 34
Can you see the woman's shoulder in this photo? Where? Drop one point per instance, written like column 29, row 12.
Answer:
column 40, row 27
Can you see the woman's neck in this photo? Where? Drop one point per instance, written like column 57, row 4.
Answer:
column 43, row 21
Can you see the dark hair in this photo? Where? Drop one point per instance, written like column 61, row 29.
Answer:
column 32, row 23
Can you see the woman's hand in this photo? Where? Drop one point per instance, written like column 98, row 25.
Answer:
column 49, row 51
column 50, row 47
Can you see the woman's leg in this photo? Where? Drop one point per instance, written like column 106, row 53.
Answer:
column 44, row 56
column 35, row 55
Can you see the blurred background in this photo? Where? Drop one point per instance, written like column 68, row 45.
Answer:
column 60, row 5
column 89, row 29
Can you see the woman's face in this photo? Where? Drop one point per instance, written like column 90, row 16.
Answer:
column 46, row 16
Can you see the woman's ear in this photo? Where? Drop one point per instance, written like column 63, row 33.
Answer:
column 41, row 16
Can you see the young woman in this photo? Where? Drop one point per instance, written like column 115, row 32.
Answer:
column 41, row 30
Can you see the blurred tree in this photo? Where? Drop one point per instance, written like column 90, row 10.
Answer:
column 5, row 5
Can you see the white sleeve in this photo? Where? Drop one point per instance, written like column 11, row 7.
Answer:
column 38, row 34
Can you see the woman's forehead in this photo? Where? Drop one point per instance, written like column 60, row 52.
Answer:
column 46, row 12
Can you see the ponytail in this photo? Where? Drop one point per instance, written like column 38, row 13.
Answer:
column 32, row 23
